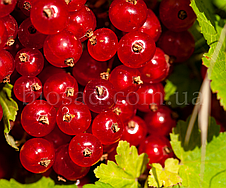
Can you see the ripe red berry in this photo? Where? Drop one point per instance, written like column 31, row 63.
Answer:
column 25, row 6
column 58, row 87
column 80, row 22
column 151, row 26
column 3, row 34
column 85, row 149
column 102, row 44
column 62, row 49
column 65, row 167
column 27, row 88
column 73, row 118
column 107, row 127
column 136, row 49
column 38, row 118
column 49, row 16
column 176, row 15
column 157, row 69
column 75, row 5
column 37, row 155
column 178, row 45
column 6, row 7
column 158, row 149
column 29, row 62
column 135, row 131
column 99, row 95
column 128, row 15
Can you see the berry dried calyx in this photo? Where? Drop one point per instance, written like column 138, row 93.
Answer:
column 36, row 87
column 47, row 12
column 67, row 1
column 44, row 162
column 92, row 37
column 68, row 117
column 132, row 1
column 7, row 2
column 70, row 92
column 87, row 152
column 115, row 127
column 117, row 110
column 131, row 124
column 182, row 14
column 153, row 107
column 10, row 41
column 137, row 80
column 24, row 57
column 27, row 6
column 137, row 47
column 99, row 91
column 167, row 150
column 69, row 62
column 43, row 119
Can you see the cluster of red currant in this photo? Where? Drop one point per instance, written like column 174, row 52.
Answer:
column 97, row 105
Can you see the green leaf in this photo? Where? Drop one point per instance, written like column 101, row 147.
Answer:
column 10, row 108
column 167, row 177
column 129, row 167
column 98, row 184
column 190, row 155
column 212, row 28
column 42, row 183
column 182, row 86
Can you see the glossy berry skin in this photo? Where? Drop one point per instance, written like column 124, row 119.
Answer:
column 136, row 49
column 57, row 137
column 27, row 89
column 12, row 29
column 75, row 5
column 1, row 112
column 6, row 7
column 127, row 15
column 58, row 87
column 104, row 44
column 135, row 131
column 49, row 16
column 25, row 6
column 87, row 68
column 3, row 34
column 124, row 109
column 177, row 15
column 29, row 36
column 80, row 22
column 160, row 122
column 65, row 167
column 62, row 49
column 6, row 64
column 157, row 69
column 178, row 45
column 150, row 96
column 151, row 26
column 158, row 149
column 99, row 95
column 73, row 118
column 29, row 62
column 85, row 149
column 38, row 118
column 125, row 79
column 37, row 155
column 107, row 127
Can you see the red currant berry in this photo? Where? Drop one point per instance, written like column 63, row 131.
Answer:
column 177, row 15
column 87, row 68
column 73, row 118
column 136, row 49
column 102, row 44
column 29, row 62
column 80, row 22
column 75, row 5
column 178, row 45
column 6, row 65
column 37, row 155
column 29, row 36
column 85, row 149
column 125, row 79
column 27, row 89
column 65, row 167
column 128, row 15
column 57, row 137
column 160, row 122
column 158, row 149
column 107, row 127
column 151, row 26
column 25, row 6
column 6, row 7
column 62, row 49
column 135, row 131
column 150, row 97
column 99, row 95
column 157, row 69
column 58, row 87
column 49, row 16
column 12, row 29
column 124, row 109
column 38, row 118
column 3, row 34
